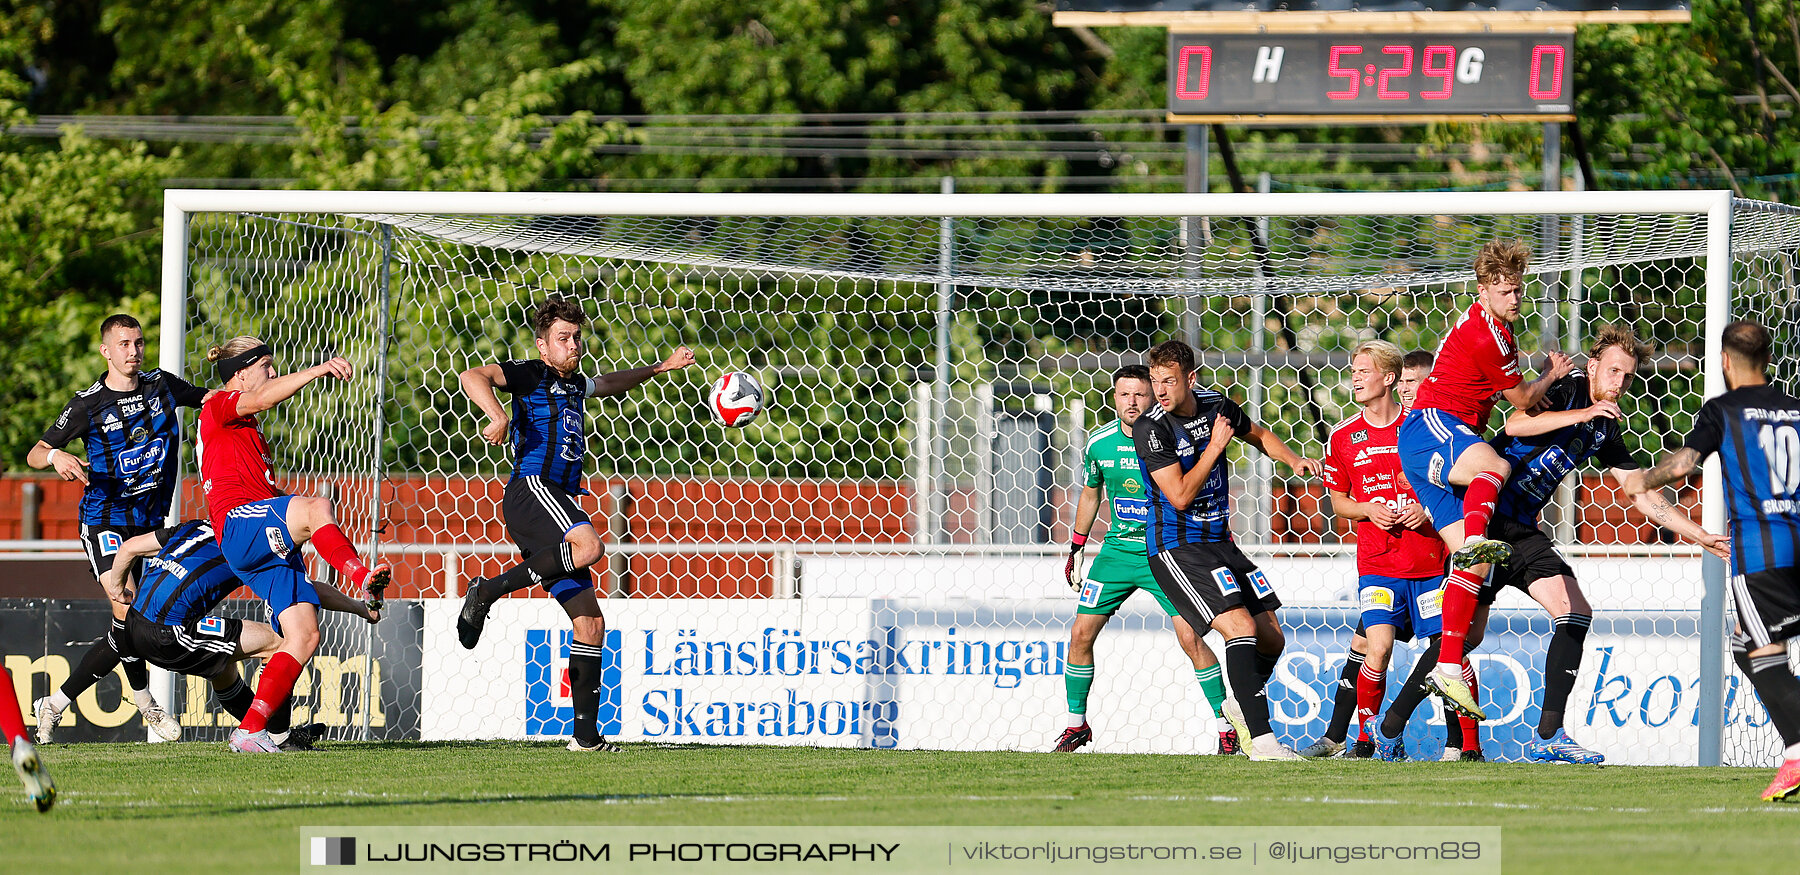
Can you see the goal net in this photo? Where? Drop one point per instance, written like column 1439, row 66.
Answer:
column 877, row 560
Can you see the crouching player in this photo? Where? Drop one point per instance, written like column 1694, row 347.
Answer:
column 1121, row 568
column 167, row 625
column 1578, row 421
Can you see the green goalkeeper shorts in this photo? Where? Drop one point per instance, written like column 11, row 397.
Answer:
column 1113, row 578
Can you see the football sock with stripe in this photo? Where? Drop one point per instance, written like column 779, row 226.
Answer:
column 543, row 566
column 1344, row 704
column 1212, row 685
column 1478, row 503
column 1562, row 660
column 1410, row 695
column 334, row 548
column 1460, row 589
column 1247, row 684
column 137, row 674
column 1371, row 688
column 95, row 664
column 584, row 690
column 1265, row 665
column 1779, row 690
column 1077, row 680
column 276, row 684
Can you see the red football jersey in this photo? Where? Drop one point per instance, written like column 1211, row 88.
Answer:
column 1477, row 361
column 1363, row 462
column 234, row 460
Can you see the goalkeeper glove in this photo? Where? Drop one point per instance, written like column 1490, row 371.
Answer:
column 1072, row 568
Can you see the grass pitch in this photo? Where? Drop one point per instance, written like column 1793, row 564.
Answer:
column 194, row 807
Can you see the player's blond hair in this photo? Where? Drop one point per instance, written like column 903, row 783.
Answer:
column 1385, row 356
column 234, row 346
column 1501, row 260
column 1622, row 337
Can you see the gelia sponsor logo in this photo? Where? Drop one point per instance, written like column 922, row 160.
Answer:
column 891, row 651
column 548, row 710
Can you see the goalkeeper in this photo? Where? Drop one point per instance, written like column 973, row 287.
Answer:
column 1121, row 568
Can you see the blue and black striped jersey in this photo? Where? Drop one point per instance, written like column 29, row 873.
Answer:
column 186, row 578
column 1164, row 439
column 549, row 423
column 1756, row 432
column 133, row 441
column 1540, row 462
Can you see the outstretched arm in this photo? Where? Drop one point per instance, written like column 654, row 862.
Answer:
column 479, row 384
column 287, row 385
column 620, row 382
column 333, row 599
column 1655, row 504
column 1524, row 422
column 1277, row 449
column 1675, row 466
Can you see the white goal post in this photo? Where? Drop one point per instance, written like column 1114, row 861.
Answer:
column 935, row 362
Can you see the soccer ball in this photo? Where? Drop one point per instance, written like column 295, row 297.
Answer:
column 736, row 399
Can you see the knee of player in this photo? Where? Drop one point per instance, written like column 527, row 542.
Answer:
column 585, row 547
column 303, row 641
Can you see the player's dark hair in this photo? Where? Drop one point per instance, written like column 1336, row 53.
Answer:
column 1501, row 260
column 1172, row 353
column 1622, row 337
column 1131, row 372
column 1419, row 358
column 118, row 320
column 554, row 309
column 1749, row 343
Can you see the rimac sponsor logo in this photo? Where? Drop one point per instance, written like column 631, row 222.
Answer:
column 333, row 851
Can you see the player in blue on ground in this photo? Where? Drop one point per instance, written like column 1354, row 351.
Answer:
column 548, row 434
column 1121, row 569
column 185, row 576
column 126, row 422
column 1755, row 429
column 1181, row 443
column 1580, row 419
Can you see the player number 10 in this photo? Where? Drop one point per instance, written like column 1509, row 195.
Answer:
column 1781, row 449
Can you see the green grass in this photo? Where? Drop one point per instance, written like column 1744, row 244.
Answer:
column 196, row 808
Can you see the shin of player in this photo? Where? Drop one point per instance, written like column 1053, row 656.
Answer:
column 260, row 530
column 127, row 423
column 1122, row 568
column 25, row 757
column 1753, row 427
column 1181, row 445
column 1442, row 451
column 547, row 429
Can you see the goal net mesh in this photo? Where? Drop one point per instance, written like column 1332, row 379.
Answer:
column 877, row 559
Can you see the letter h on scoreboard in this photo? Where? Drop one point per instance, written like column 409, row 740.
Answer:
column 548, row 710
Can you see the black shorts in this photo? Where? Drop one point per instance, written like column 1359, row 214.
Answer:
column 1206, row 580
column 102, row 544
column 538, row 515
column 1768, row 607
column 202, row 648
column 1534, row 558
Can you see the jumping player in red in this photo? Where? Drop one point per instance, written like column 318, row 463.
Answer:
column 260, row 529
column 25, row 757
column 1457, row 475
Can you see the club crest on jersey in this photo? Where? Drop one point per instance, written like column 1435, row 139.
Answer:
column 1227, row 582
column 213, row 626
column 277, row 541
column 109, row 543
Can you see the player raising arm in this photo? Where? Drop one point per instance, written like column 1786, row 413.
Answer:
column 548, row 433
column 260, row 529
column 1181, row 446
column 1755, row 429
column 1443, row 454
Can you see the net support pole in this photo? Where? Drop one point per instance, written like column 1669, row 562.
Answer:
column 1711, row 714
column 940, row 444
column 377, row 470
column 171, row 355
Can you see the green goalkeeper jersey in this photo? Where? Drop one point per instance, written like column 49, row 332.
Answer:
column 1112, row 459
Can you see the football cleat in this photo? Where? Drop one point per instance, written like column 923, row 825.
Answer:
column 1229, row 746
column 1324, row 747
column 1450, row 755
column 253, row 742
column 1390, row 750
column 162, row 723
column 302, row 738
column 473, row 616
column 1455, row 692
column 1474, row 755
column 600, row 745
column 1560, row 748
column 1235, row 716
column 31, row 770
column 1480, row 551
column 375, row 584
column 1268, row 748
column 1072, row 738
column 47, row 718
column 1363, row 749
column 1785, row 785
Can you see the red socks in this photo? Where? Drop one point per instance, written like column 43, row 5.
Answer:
column 277, row 683
column 1478, row 503
column 12, row 721
column 1460, row 588
column 1471, row 738
column 1371, row 688
column 329, row 540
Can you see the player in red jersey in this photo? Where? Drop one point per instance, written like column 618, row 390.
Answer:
column 1443, row 453
column 25, row 757
column 260, row 529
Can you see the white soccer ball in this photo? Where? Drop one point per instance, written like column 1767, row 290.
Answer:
column 736, row 399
